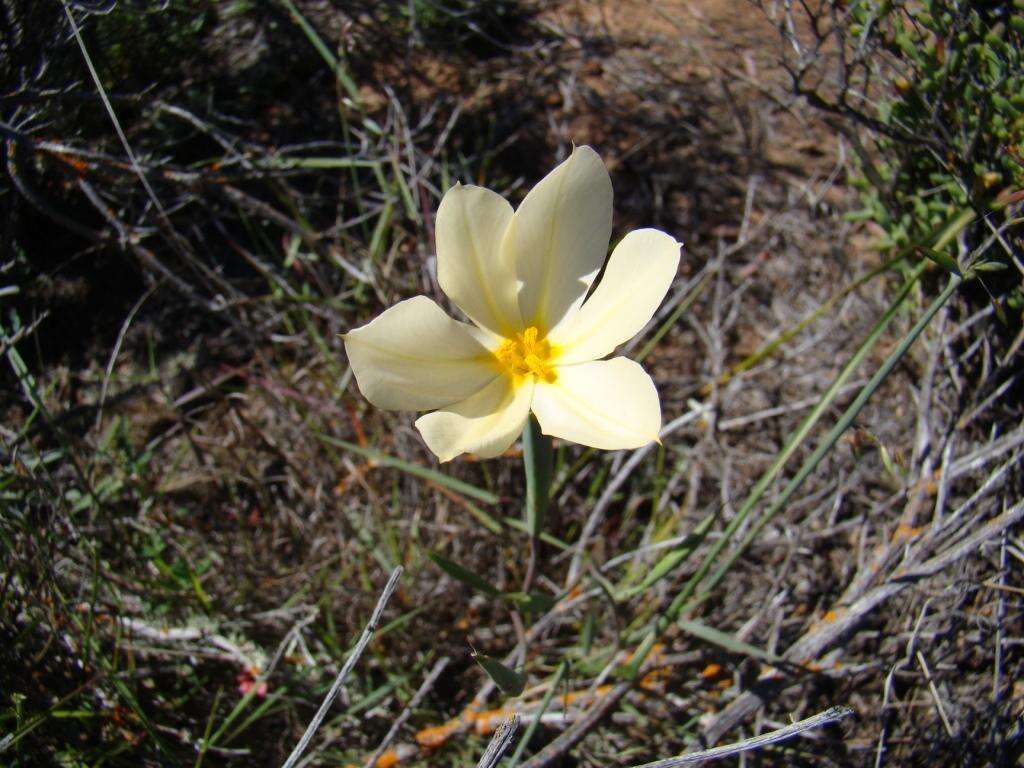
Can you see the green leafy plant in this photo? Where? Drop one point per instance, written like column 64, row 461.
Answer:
column 940, row 87
column 955, row 107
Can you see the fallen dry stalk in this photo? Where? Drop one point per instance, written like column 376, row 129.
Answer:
column 350, row 662
column 832, row 715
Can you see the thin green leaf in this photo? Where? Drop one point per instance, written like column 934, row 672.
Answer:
column 686, row 600
column 725, row 640
column 547, row 538
column 538, row 460
column 545, row 703
column 941, row 258
column 464, row 575
column 668, row 562
column 952, row 228
column 316, row 163
column 510, row 682
column 332, row 61
column 776, row 343
column 830, row 439
column 533, row 602
column 431, row 475
column 797, row 439
column 673, row 318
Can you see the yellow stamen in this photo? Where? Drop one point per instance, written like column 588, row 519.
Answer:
column 526, row 355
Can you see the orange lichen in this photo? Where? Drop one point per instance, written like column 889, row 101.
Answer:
column 654, row 679
column 573, row 697
column 711, row 671
column 487, row 721
column 436, row 736
column 905, row 532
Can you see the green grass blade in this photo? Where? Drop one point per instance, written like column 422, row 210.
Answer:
column 510, row 682
column 316, row 163
column 546, row 537
column 466, row 576
column 263, row 709
column 673, row 318
column 431, row 475
column 673, row 558
column 682, row 600
column 768, row 349
column 204, row 742
column 528, row 733
column 933, row 246
column 837, row 431
column 325, row 53
column 798, row 437
column 724, row 640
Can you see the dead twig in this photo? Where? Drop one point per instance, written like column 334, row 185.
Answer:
column 350, row 662
column 833, row 715
column 824, row 634
column 414, row 702
column 499, row 743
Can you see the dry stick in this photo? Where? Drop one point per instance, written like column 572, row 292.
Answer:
column 1000, row 616
column 117, row 348
column 7, row 342
column 350, row 662
column 575, row 734
column 597, row 514
column 823, row 635
column 414, row 702
column 599, row 509
column 117, row 124
column 935, row 695
column 832, row 715
column 499, row 742
column 175, row 238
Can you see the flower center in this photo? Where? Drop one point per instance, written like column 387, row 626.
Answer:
column 527, row 355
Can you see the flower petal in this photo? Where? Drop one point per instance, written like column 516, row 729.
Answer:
column 558, row 237
column 608, row 404
column 639, row 274
column 485, row 424
column 414, row 357
column 472, row 268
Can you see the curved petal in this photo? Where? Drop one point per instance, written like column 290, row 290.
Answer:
column 414, row 357
column 472, row 268
column 639, row 274
column 485, row 424
column 608, row 404
column 558, row 238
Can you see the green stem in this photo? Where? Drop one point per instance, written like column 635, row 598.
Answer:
column 539, row 463
column 538, row 459
column 528, row 734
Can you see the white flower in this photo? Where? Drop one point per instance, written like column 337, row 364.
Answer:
column 535, row 345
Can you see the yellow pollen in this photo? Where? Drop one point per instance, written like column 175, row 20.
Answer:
column 525, row 355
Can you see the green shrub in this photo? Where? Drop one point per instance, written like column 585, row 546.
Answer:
column 952, row 113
